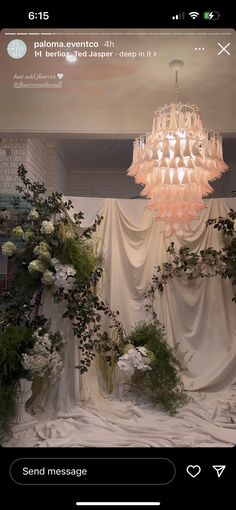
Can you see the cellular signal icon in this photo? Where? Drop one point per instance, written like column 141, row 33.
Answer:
column 178, row 16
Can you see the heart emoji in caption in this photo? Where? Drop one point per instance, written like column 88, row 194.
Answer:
column 193, row 471
column 60, row 76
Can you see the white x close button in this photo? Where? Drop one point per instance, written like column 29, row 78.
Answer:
column 223, row 48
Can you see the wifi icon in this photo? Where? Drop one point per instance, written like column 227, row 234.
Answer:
column 194, row 14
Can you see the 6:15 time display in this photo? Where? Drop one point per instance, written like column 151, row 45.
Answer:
column 38, row 15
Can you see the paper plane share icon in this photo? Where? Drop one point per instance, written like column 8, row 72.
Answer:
column 219, row 470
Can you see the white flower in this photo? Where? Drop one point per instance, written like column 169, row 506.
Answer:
column 54, row 261
column 41, row 247
column 43, row 359
column 48, row 277
column 42, row 251
column 33, row 215
column 36, row 266
column 143, row 350
column 18, row 233
column 65, row 276
column 135, row 358
column 47, row 227
column 8, row 248
column 28, row 235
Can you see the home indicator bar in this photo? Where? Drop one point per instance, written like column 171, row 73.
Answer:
column 118, row 503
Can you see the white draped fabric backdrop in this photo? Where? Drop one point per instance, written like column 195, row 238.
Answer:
column 200, row 320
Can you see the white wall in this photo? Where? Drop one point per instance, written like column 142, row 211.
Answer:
column 12, row 154
column 41, row 159
column 36, row 160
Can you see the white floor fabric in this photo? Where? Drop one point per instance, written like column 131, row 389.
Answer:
column 115, row 423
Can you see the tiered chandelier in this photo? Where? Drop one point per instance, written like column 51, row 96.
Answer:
column 176, row 161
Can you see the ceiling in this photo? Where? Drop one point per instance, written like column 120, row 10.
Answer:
column 116, row 96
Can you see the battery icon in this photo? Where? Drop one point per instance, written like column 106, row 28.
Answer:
column 211, row 15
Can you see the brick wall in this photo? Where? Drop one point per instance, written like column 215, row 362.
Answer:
column 36, row 160
column 40, row 158
column 12, row 154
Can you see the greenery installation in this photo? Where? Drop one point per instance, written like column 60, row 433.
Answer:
column 50, row 252
column 157, row 373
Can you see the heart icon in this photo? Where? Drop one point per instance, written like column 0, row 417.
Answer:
column 193, row 470
column 60, row 75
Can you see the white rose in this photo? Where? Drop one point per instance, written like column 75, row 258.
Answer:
column 9, row 249
column 47, row 227
column 33, row 215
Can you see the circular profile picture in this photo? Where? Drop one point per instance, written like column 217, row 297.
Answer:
column 16, row 48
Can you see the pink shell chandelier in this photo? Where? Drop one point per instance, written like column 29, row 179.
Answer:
column 175, row 163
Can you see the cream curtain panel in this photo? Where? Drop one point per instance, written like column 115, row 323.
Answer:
column 200, row 320
column 199, row 316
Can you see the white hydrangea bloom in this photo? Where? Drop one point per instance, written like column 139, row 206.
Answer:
column 36, row 266
column 33, row 215
column 42, row 251
column 48, row 277
column 41, row 247
column 43, row 358
column 28, row 235
column 47, row 227
column 9, row 248
column 135, row 358
column 18, row 232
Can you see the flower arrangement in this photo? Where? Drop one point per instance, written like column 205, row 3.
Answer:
column 49, row 253
column 136, row 358
column 153, row 367
column 45, row 358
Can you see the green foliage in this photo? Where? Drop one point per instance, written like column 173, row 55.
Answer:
column 163, row 383
column 79, row 255
column 13, row 341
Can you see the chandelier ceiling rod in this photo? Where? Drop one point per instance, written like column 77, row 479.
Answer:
column 176, row 65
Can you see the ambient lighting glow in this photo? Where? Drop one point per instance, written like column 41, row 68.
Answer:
column 176, row 161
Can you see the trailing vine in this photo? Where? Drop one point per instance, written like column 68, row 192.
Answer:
column 206, row 263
